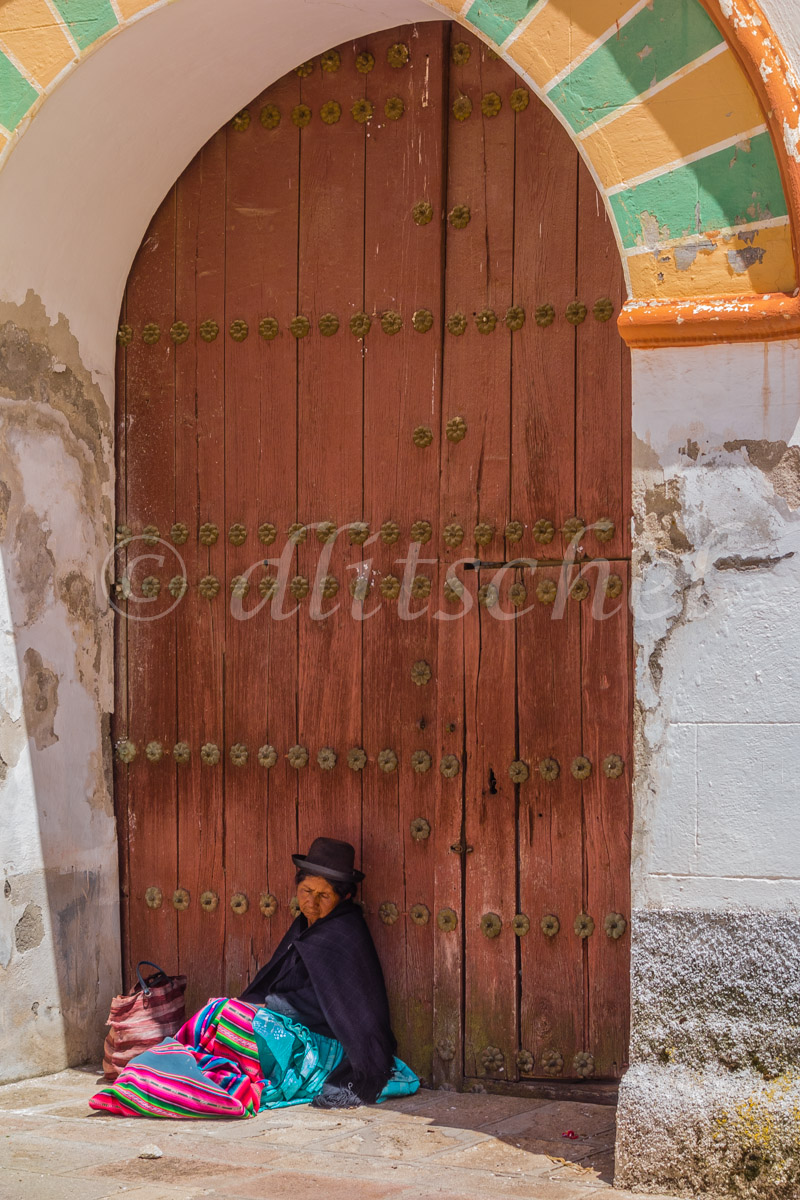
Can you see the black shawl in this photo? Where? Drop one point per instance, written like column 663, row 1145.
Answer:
column 341, row 960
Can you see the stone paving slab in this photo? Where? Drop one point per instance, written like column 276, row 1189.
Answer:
column 432, row 1146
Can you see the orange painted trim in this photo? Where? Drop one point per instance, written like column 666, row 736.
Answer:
column 651, row 324
column 759, row 51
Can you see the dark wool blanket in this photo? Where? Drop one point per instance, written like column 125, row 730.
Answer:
column 343, row 965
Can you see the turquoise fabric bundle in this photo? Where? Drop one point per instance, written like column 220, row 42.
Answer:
column 296, row 1062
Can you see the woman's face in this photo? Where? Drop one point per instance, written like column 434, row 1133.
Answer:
column 316, row 897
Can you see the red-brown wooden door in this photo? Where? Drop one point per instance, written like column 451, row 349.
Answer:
column 373, row 507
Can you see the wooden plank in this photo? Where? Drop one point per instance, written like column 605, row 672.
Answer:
column 543, row 407
column 607, row 721
column 477, row 366
column 550, row 827
column 199, row 498
column 260, row 461
column 329, row 451
column 402, row 382
column 150, row 440
column 119, row 720
column 602, row 415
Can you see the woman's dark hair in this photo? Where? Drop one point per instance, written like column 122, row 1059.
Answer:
column 344, row 890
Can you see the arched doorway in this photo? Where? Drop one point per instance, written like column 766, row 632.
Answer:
column 367, row 338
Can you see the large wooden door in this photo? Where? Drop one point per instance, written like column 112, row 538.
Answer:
column 373, row 497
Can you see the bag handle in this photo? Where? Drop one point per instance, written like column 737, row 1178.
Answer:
column 146, row 991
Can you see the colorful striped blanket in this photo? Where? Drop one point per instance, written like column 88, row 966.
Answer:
column 230, row 1060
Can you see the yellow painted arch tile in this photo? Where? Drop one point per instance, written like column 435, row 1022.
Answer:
column 36, row 38
column 564, row 30
column 129, row 8
column 730, row 266
column 710, row 104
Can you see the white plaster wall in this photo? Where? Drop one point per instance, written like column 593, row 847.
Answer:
column 718, row 791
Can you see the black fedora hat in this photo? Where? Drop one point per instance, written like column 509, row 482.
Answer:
column 331, row 859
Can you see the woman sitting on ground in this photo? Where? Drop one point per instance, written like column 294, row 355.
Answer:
column 312, row 1026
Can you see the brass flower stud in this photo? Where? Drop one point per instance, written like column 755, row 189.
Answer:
column 125, row 335
column 326, row 758
column 328, row 324
column 543, row 532
column 421, row 761
column 488, row 595
column 326, row 532
column 456, row 429
column 153, row 897
column 239, row 903
column 604, row 529
column 491, row 104
column 483, row 533
column 584, row 925
column 391, row 322
column 297, row 533
column 208, row 534
column 581, row 768
column 238, row 754
column 550, row 925
column 150, row 535
column 123, row 535
column 421, row 673
column 394, row 108
column 304, row 70
column 524, row 1060
column 449, row 766
column 179, row 332
column 151, row 333
column 126, row 750
column 422, row 212
column 420, row 914
column 615, row 925
column 397, row 55
column 613, row 766
column 297, row 756
column 491, row 925
column 179, row 533
column 459, row 216
column 518, row 771
column 549, row 769
column 299, row 587
column 552, row 1062
column 208, row 330
column 268, row 328
column 387, row 761
column 330, row 61
column 519, row 99
column 267, row 533
column 239, row 330
column 362, row 111
column 267, row 756
column 421, row 531
column 181, row 899
column 390, row 533
column 154, row 752
column 576, row 312
column 583, row 1064
column 301, row 115
column 420, row 829
column 486, row 320
column 514, row 318
column 613, row 587
column 299, row 327
column 446, row 1049
column 365, row 62
column 329, row 586
column 237, row 534
column 603, row 309
column 388, row 912
column 521, row 924
column 544, row 315
column 209, row 754
column 330, row 112
column 241, row 121
column 360, row 324
column 518, row 594
column 268, row 587
column 358, row 532
column 356, row 759
column 390, row 587
column 457, row 324
column 270, row 116
column 447, row 920
column 421, row 587
column 574, row 528
column 422, row 320
column 268, row 904
column 422, row 436
column 460, row 53
column 151, row 586
column 462, row 107
column 181, row 752
column 453, row 534
column 546, row 591
column 579, row 589
column 208, row 587
column 209, row 901
column 513, row 531
column 453, row 589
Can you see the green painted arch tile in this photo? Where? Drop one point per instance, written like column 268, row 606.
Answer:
column 16, row 94
column 739, row 185
column 498, row 18
column 87, row 20
column 661, row 39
